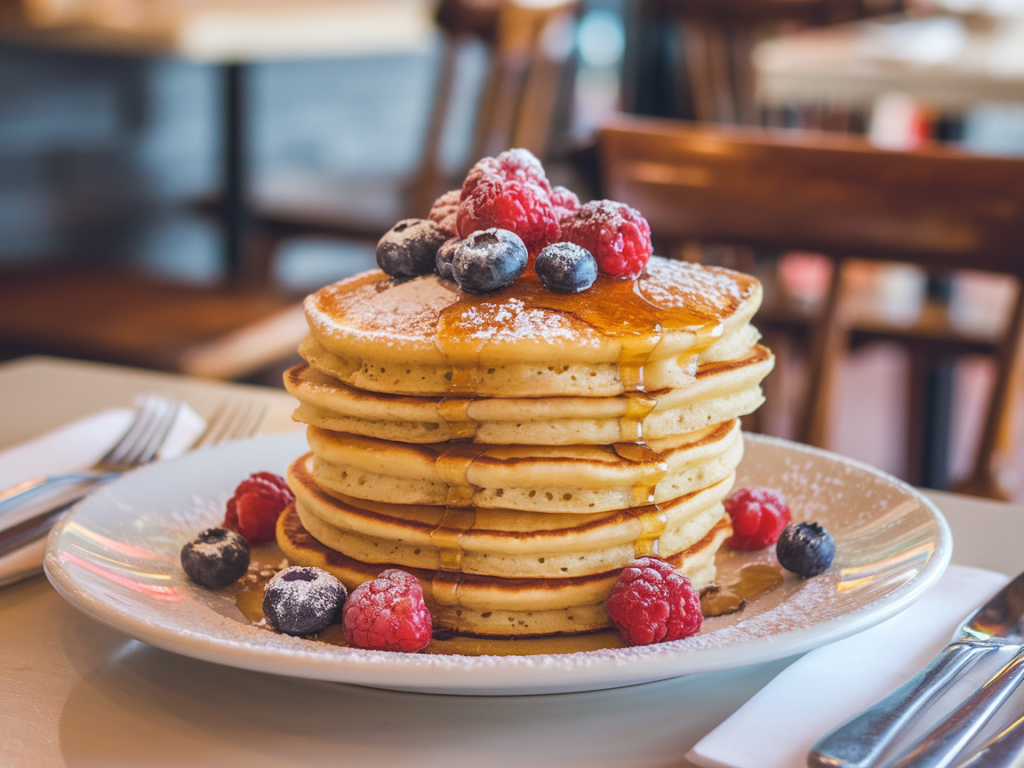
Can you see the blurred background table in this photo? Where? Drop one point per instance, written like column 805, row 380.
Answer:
column 949, row 63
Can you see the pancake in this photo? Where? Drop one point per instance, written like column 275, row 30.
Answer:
column 516, row 451
column 488, row 606
column 567, row 479
column 720, row 391
column 502, row 542
column 422, row 336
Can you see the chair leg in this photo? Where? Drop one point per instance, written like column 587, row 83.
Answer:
column 983, row 480
column 828, row 344
column 425, row 186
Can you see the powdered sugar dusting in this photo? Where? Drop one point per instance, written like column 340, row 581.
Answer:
column 513, row 320
column 682, row 285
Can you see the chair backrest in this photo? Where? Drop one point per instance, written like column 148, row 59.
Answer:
column 530, row 46
column 821, row 192
column 834, row 194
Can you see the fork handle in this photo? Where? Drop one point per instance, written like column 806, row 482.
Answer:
column 858, row 742
column 22, row 492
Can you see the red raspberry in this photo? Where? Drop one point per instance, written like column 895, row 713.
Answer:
column 509, row 192
column 758, row 516
column 512, row 165
column 258, row 501
column 565, row 201
column 443, row 211
column 388, row 614
column 618, row 237
column 652, row 603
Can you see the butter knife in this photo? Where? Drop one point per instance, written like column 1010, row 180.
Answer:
column 858, row 742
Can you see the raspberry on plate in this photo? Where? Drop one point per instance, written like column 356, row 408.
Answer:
column 652, row 603
column 443, row 211
column 509, row 192
column 758, row 516
column 617, row 235
column 388, row 614
column 255, row 506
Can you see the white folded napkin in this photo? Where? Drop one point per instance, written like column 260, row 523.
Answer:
column 826, row 687
column 68, row 448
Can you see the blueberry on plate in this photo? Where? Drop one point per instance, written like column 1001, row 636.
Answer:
column 445, row 254
column 489, row 260
column 410, row 248
column 215, row 558
column 301, row 600
column 566, row 268
column 806, row 549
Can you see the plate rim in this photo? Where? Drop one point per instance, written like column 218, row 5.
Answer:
column 490, row 675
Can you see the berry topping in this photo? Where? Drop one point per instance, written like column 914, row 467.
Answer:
column 566, row 268
column 806, row 549
column 618, row 237
column 256, row 505
column 410, row 247
column 488, row 261
column 758, row 516
column 652, row 602
column 301, row 600
column 215, row 558
column 443, row 211
column 565, row 201
column 388, row 614
column 519, row 165
column 509, row 192
column 445, row 255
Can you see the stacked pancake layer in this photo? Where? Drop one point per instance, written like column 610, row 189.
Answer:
column 516, row 451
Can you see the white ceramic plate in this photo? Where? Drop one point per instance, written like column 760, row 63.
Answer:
column 116, row 558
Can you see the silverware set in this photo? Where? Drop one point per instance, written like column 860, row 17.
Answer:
column 139, row 445
column 996, row 628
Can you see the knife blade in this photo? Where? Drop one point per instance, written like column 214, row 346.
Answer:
column 858, row 742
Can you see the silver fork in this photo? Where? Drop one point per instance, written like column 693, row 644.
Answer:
column 137, row 446
column 233, row 420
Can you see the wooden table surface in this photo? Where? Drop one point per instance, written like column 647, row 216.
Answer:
column 225, row 31
column 76, row 693
column 947, row 62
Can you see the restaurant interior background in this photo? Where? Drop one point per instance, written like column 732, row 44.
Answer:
column 107, row 159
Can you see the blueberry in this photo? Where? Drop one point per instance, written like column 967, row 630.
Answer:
column 806, row 549
column 410, row 248
column 566, row 268
column 445, row 254
column 489, row 260
column 215, row 558
column 301, row 600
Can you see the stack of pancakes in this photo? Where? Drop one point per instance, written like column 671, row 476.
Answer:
column 516, row 451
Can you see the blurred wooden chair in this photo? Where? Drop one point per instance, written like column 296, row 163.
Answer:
column 117, row 316
column 716, row 39
column 837, row 195
column 529, row 43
